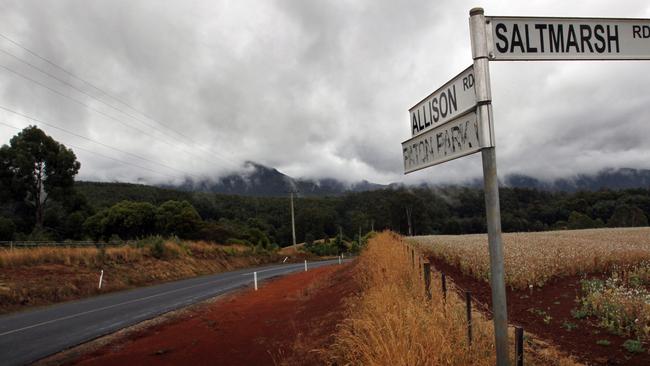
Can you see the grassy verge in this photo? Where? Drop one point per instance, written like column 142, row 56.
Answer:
column 392, row 323
column 41, row 276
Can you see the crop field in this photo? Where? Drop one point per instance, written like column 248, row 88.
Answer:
column 532, row 259
column 587, row 290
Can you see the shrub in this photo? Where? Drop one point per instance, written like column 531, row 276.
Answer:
column 633, row 346
column 235, row 241
column 619, row 307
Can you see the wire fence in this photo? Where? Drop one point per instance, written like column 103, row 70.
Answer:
column 425, row 268
column 67, row 243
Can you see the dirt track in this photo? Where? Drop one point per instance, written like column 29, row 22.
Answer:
column 285, row 322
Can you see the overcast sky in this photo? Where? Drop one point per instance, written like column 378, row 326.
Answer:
column 313, row 88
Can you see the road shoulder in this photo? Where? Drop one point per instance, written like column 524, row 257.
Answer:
column 296, row 314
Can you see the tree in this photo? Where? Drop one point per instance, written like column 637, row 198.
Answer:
column 178, row 218
column 126, row 219
column 34, row 168
column 627, row 216
column 578, row 220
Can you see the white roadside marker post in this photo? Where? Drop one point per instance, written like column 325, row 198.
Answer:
column 101, row 277
column 339, row 259
column 255, row 280
column 305, row 265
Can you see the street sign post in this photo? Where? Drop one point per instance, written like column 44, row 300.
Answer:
column 528, row 38
column 456, row 120
column 479, row 41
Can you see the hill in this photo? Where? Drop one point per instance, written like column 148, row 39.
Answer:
column 261, row 181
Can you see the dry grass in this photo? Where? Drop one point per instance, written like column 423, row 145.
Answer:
column 45, row 275
column 69, row 256
column 392, row 323
column 535, row 258
column 92, row 256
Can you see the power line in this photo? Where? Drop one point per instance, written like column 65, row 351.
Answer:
column 51, row 63
column 102, row 92
column 76, row 88
column 102, row 155
column 101, row 112
column 37, row 120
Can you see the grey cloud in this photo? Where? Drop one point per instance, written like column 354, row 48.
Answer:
column 316, row 89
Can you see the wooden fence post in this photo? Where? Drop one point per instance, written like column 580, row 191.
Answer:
column 468, row 304
column 412, row 257
column 519, row 346
column 427, row 280
column 443, row 279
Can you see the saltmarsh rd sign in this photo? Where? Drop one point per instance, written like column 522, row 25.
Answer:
column 522, row 38
column 452, row 140
column 451, row 100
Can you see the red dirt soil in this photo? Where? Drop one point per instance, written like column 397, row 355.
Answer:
column 283, row 322
column 556, row 299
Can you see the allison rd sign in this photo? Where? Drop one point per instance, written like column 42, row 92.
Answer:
column 523, row 38
column 448, row 102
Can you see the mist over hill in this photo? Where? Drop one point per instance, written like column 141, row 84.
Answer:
column 262, row 181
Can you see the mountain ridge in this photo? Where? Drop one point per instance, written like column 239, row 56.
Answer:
column 263, row 181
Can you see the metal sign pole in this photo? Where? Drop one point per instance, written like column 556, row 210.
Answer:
column 484, row 110
column 293, row 223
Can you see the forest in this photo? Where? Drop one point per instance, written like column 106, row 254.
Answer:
column 75, row 210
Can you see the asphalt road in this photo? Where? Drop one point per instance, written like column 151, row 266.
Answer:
column 28, row 336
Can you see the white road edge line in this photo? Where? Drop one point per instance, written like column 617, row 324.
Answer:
column 272, row 269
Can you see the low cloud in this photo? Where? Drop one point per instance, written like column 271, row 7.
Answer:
column 315, row 89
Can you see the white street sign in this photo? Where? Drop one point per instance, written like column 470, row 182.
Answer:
column 523, row 38
column 451, row 100
column 452, row 140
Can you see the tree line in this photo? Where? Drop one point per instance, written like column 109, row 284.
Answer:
column 40, row 200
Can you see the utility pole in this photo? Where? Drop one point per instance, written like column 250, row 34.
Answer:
column 293, row 223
